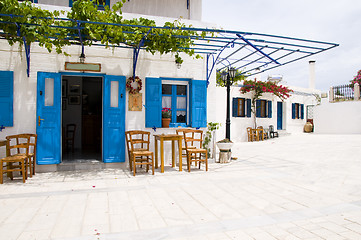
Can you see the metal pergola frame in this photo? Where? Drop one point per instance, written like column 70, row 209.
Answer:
column 248, row 52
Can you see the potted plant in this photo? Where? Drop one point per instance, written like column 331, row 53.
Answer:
column 225, row 153
column 166, row 117
column 208, row 142
column 225, row 144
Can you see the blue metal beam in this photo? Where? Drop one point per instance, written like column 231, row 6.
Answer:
column 256, row 60
column 209, row 72
column 81, row 39
column 212, row 45
column 245, row 57
column 259, row 50
column 136, row 52
column 27, row 49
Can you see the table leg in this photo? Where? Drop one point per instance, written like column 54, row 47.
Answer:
column 173, row 154
column 156, row 152
column 161, row 156
column 180, row 153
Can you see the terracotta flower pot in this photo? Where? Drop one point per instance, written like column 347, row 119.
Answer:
column 165, row 122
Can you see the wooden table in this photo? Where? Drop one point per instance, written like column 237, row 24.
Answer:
column 167, row 137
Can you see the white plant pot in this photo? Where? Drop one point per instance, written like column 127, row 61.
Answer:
column 224, row 146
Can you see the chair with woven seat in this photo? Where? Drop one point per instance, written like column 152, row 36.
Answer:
column 184, row 152
column 138, row 150
column 32, row 152
column 17, row 156
column 193, row 144
column 263, row 134
column 252, row 135
column 139, row 147
column 32, row 141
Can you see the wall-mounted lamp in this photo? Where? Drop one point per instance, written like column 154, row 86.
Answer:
column 82, row 58
column 179, row 65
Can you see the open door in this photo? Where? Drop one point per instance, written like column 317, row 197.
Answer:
column 114, row 119
column 48, row 118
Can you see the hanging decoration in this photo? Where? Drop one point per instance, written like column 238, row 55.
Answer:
column 135, row 102
column 129, row 86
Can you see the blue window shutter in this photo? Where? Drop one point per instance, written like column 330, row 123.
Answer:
column 249, row 107
column 269, row 103
column 293, row 110
column 235, row 107
column 198, row 101
column 6, row 98
column 258, row 108
column 302, row 111
column 153, row 102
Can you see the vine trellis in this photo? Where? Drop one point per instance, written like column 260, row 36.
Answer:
column 25, row 23
column 249, row 53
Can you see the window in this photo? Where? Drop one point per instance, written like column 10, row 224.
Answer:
column 174, row 96
column 6, row 98
column 101, row 5
column 263, row 109
column 186, row 98
column 297, row 111
column 241, row 107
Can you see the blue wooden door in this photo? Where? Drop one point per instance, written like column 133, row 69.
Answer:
column 48, row 118
column 279, row 115
column 114, row 119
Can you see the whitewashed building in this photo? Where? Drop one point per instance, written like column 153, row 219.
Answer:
column 52, row 96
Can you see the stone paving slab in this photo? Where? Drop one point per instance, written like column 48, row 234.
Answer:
column 301, row 186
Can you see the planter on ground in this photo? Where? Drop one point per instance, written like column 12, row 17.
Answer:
column 225, row 153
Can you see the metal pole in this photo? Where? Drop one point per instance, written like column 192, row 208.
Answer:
column 228, row 120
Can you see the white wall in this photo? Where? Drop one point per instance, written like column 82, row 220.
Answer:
column 338, row 118
column 240, row 124
column 114, row 62
column 165, row 8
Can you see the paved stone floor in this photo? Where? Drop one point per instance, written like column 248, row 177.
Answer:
column 302, row 186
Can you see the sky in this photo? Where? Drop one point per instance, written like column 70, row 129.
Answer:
column 322, row 20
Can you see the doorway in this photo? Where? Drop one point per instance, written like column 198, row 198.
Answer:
column 279, row 115
column 82, row 109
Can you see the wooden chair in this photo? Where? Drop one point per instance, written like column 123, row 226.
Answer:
column 193, row 144
column 32, row 152
column 32, row 141
column 252, row 135
column 272, row 132
column 184, row 152
column 17, row 156
column 70, row 136
column 262, row 133
column 138, row 149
